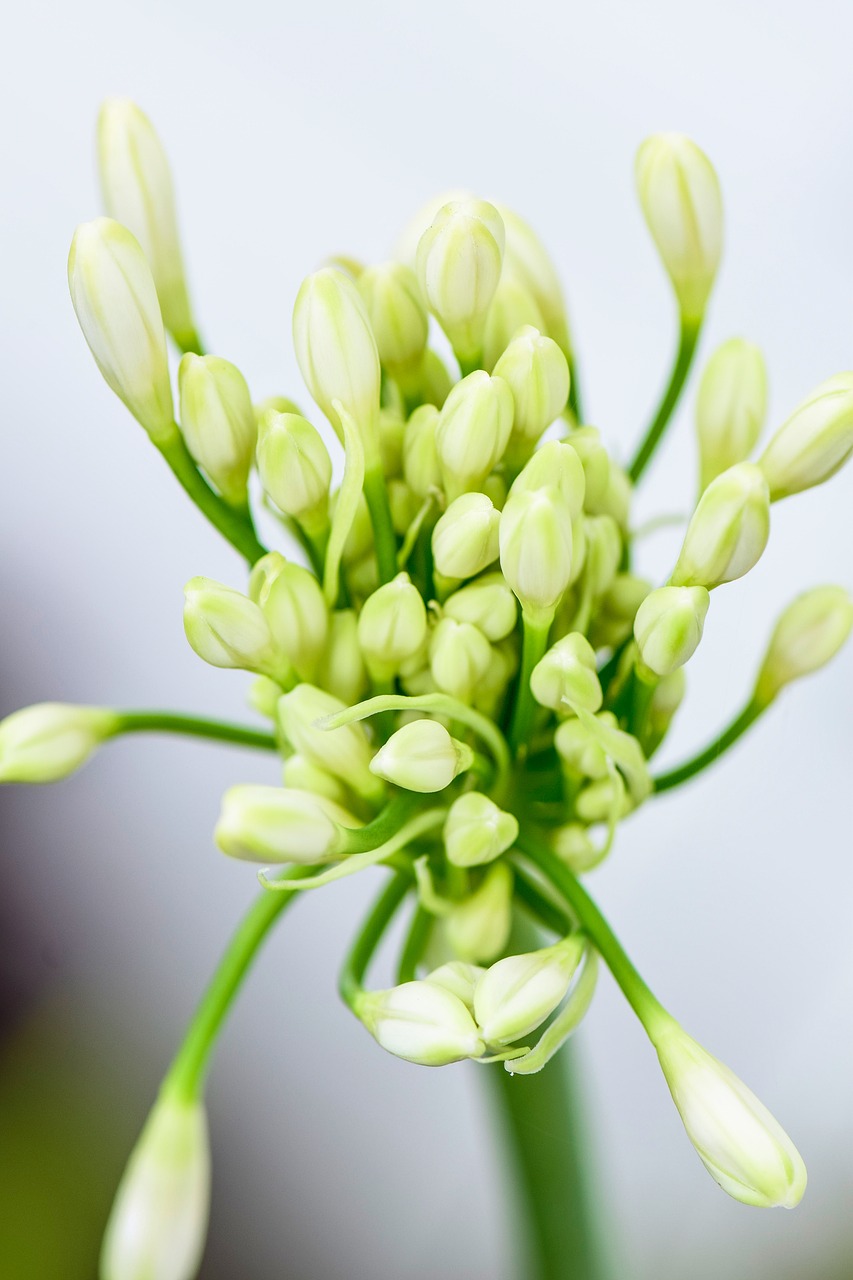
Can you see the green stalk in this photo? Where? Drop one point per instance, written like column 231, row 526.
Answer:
column 534, row 644
column 712, row 753
column 351, row 978
column 234, row 527
column 417, row 938
column 688, row 338
column 575, row 398
column 384, row 538
column 195, row 727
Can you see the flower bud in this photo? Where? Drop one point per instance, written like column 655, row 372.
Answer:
column 526, row 259
column 536, row 549
column 263, row 695
column 218, row 422
column 555, row 463
column 158, row 1222
column 567, row 674
column 616, row 499
column 301, row 774
column 341, row 669
column 728, row 531
column 422, row 756
column 227, row 629
column 730, row 407
column 293, row 604
column 603, row 552
column 48, row 741
column 595, row 460
column 137, row 189
column 513, row 307
column 459, row 979
column 598, row 800
column 580, row 749
column 280, row 824
column 745, row 1150
column 392, row 626
column 477, row 831
column 295, row 468
column 487, row 604
column 615, row 613
column 515, row 995
column 344, row 752
column 395, row 309
column 814, row 443
column 465, row 539
column 421, row 466
column 459, row 265
column 459, row 657
column 392, row 428
column 666, row 699
column 574, row 846
column 809, row 634
column 681, row 202
column 421, row 1022
column 478, row 927
column 472, row 431
column 436, row 382
column 117, row 309
column 668, row 627
column 538, row 377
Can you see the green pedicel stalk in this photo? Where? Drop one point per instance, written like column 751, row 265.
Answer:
column 195, row 727
column 688, row 338
column 711, row 753
column 237, row 530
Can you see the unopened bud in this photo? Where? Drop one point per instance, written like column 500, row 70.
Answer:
column 536, row 549
column 459, row 978
column 218, row 422
column 515, row 995
column 280, row 824
column 668, row 627
column 421, row 465
column 396, row 313
column 459, row 265
column 421, row 1022
column 341, row 669
column 344, row 752
column 459, row 657
column 595, row 460
column 465, row 539
column 526, row 258
column 477, row 831
column 809, row 634
column 538, row 377
column 603, row 552
column 301, row 774
column 600, row 800
column 814, row 443
column 295, row 468
column 436, row 382
column 392, row 626
column 48, row 741
column 580, row 748
column 513, row 307
column 567, row 676
column 728, row 531
column 227, row 629
column 614, row 617
column 730, row 407
column 573, row 845
column 478, row 927
column 422, row 756
column 487, row 603
column 666, row 699
column 293, row 604
column 555, row 463
column 472, row 431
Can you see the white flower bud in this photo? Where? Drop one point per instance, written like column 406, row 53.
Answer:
column 567, row 674
column 344, row 752
column 668, row 627
column 555, row 463
column 728, row 531
column 436, row 382
column 218, row 422
column 117, row 309
column 597, row 800
column 680, row 197
column 477, row 831
column 227, row 629
column 580, row 748
column 513, row 307
column 459, row 978
column 295, row 468
column 392, row 626
column 396, row 313
column 730, row 407
column 301, row 774
column 538, row 377
column 478, row 927
column 459, row 657
column 48, row 741
column 465, row 539
column 280, row 824
column 158, row 1222
column 422, row 756
column 459, row 265
column 526, row 259
column 421, row 466
column 603, row 552
column 341, row 669
column 574, row 846
column 808, row 634
column 293, row 604
column 137, row 188
column 595, row 460
column 421, row 1022
column 814, row 443
column 745, row 1150
column 536, row 549
column 515, row 995
column 487, row 603
column 472, row 431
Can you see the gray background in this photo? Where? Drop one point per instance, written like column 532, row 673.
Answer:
column 295, row 131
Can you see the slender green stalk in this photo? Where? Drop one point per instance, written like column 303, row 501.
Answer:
column 688, row 338
column 384, row 538
column 235, row 528
column 534, row 644
column 189, row 343
column 194, row 727
column 351, row 979
column 543, row 908
column 711, row 753
column 575, row 398
column 415, row 944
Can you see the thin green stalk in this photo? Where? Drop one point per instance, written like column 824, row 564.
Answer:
column 351, row 979
column 711, row 753
column 195, row 727
column 543, row 908
column 417, row 938
column 384, row 538
column 189, row 343
column 575, row 398
column 688, row 338
column 236, row 529
column 534, row 644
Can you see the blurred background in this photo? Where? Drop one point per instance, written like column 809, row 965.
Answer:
column 296, row 131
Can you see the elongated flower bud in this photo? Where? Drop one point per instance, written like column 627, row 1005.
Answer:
column 567, row 676
column 117, row 309
column 580, row 748
column 603, row 552
column 392, row 626
column 513, row 307
column 421, row 466
column 681, row 202
column 422, row 756
column 344, row 752
column 293, row 604
column 158, row 1222
column 573, row 844
column 459, row 978
column 487, row 604
column 808, row 634
column 745, row 1150
column 536, row 549
column 227, row 629
column 421, row 1022
column 295, row 468
column 280, row 824
column 341, row 669
column 526, row 258
column 814, row 443
column 668, row 627
column 472, row 431
column 555, row 463
column 538, row 377
column 396, row 311
column 515, row 995
column 477, row 831
column 137, row 188
column 218, row 422
column 665, row 701
column 465, row 539
column 477, row 928
column 48, row 741
column 730, row 407
column 459, row 657
column 728, row 531
column 459, row 265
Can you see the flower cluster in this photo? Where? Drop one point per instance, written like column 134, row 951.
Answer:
column 464, row 676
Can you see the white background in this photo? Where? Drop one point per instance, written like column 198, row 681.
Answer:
column 296, row 131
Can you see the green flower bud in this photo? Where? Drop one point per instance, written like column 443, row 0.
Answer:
column 730, row 407
column 117, row 309
column 465, row 539
column 574, row 846
column 616, row 499
column 814, row 443
column 603, row 552
column 459, row 657
column 745, row 1150
column 515, row 995
column 158, row 1222
column 595, row 460
column 263, row 696
column 472, row 431
column 536, row 549
column 392, row 428
column 478, row 927
column 137, row 189
column 808, row 634
column 295, row 468
column 459, row 265
column 276, row 404
column 555, row 463
column 343, row 752
column 293, row 604
column 492, row 688
column 279, row 824
column 218, row 422
column 668, row 627
column 526, row 259
column 666, row 699
column 227, row 629
column 538, row 377
column 48, row 741
column 596, row 801
column 421, row 466
column 421, row 1022
column 459, row 979
column 680, row 197
column 422, row 756
column 301, row 774
column 614, row 617
column 728, row 531
column 341, row 669
column 567, row 674
column 477, row 831
column 392, row 626
column 396, row 312
column 580, row 749
column 513, row 307
column 487, row 604
column 404, row 506
column 436, row 382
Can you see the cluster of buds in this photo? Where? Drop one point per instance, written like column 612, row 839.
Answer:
column 464, row 676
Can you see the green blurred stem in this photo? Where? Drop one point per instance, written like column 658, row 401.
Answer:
column 194, row 727
column 688, row 338
column 384, row 538
column 189, row 343
column 575, row 398
column 417, row 938
column 351, row 978
column 534, row 644
column 237, row 529
column 712, row 753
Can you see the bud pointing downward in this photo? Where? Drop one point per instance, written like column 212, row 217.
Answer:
column 477, row 831
column 814, row 443
column 809, row 634
column 421, row 1022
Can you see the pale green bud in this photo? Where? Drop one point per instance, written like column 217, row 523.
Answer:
column 392, row 626
column 336, row 352
column 293, row 604
column 595, row 460
column 814, row 443
column 668, row 627
column 436, row 382
column 48, row 741
column 515, row 995
column 513, row 307
column 137, row 189
column 616, row 499
column 567, row 674
column 465, row 539
column 276, row 404
column 263, row 695
column 477, row 831
column 158, row 1222
column 280, row 824
column 502, row 667
column 421, row 466
column 459, row 979
column 472, row 431
column 487, row 603
column 680, row 197
column 478, row 927
column 538, row 377
column 614, row 617
column 597, row 800
column 218, row 422
column 295, row 468
column 422, row 756
column 459, row 260
column 404, row 505
column 526, row 258
column 745, row 1150
column 808, row 634
column 580, row 749
column 117, row 309
column 359, row 543
column 341, row 669
column 536, row 549
column 730, row 407
column 421, row 1022
column 728, row 531
column 396, row 313
column 301, row 774
column 459, row 657
column 392, row 429
column 574, row 846
column 227, row 629
column 344, row 752
column 603, row 552
column 555, row 463
column 666, row 699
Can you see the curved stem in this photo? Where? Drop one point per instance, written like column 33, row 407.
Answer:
column 236, row 529
column 688, row 338
column 384, row 538
column 711, row 753
column 415, row 944
column 360, row 954
column 193, row 726
column 534, row 644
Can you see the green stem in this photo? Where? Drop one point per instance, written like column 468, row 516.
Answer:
column 533, row 648
column 575, row 398
column 712, row 753
column 543, row 908
column 415, row 944
column 688, row 338
column 351, row 978
column 235, row 528
column 189, row 343
column 384, row 538
column 195, row 727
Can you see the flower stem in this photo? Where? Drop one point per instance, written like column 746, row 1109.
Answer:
column 235, row 528
column 534, row 645
column 712, row 753
column 361, row 952
column 384, row 538
column 193, row 726
column 688, row 338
